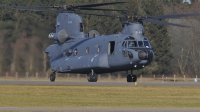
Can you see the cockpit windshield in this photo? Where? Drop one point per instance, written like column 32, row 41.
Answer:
column 132, row 44
column 140, row 43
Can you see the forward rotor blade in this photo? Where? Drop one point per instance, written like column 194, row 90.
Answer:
column 174, row 16
column 162, row 23
column 88, row 8
column 99, row 4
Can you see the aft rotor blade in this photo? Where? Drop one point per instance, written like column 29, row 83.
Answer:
column 22, row 7
column 65, row 7
column 88, row 8
column 37, row 10
column 99, row 4
column 100, row 15
column 31, row 8
column 174, row 16
column 163, row 23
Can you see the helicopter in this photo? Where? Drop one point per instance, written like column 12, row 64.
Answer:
column 74, row 51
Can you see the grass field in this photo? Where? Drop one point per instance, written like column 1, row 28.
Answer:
column 100, row 79
column 98, row 96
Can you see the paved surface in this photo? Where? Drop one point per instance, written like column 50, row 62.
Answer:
column 16, row 109
column 100, row 83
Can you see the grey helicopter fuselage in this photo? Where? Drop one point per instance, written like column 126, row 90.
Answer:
column 75, row 52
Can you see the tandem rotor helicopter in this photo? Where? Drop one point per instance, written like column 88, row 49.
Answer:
column 92, row 53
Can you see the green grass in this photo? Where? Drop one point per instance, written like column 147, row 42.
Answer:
column 98, row 96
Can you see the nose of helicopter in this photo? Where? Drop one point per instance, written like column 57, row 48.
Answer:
column 145, row 55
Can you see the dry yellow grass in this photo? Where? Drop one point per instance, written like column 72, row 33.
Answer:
column 98, row 96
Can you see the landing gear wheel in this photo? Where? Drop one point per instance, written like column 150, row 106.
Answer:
column 53, row 77
column 92, row 77
column 131, row 78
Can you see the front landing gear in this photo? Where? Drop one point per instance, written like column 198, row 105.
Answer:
column 92, row 77
column 53, row 77
column 132, row 78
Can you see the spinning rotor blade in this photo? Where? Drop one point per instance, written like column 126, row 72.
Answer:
column 38, row 10
column 162, row 23
column 88, row 8
column 98, row 4
column 173, row 16
column 24, row 7
column 30, row 8
column 100, row 15
column 64, row 7
column 149, row 19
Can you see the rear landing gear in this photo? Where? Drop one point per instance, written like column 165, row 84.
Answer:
column 92, row 77
column 53, row 77
column 131, row 78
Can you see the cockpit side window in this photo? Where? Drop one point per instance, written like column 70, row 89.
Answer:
column 146, row 44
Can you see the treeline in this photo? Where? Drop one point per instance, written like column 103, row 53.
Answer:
column 23, row 34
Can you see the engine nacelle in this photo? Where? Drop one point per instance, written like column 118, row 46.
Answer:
column 61, row 36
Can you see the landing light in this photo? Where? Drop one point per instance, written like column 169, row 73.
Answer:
column 135, row 66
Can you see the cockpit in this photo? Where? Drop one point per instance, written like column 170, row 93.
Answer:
column 131, row 42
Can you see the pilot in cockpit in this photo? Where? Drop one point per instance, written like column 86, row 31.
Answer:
column 131, row 44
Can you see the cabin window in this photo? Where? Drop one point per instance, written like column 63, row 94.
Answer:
column 68, row 68
column 87, row 50
column 99, row 49
column 81, row 27
column 75, row 52
column 111, row 48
